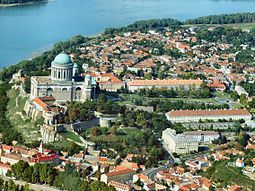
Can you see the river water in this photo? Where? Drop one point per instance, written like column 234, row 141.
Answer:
column 25, row 31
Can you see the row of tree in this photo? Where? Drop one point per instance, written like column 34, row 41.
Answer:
column 166, row 106
column 11, row 186
column 203, row 92
column 85, row 111
column 70, row 179
column 249, row 87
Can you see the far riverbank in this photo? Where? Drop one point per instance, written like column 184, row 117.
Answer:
column 21, row 4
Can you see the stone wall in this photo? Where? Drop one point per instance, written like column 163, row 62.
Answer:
column 81, row 126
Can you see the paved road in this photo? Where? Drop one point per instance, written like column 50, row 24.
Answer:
column 151, row 173
column 32, row 186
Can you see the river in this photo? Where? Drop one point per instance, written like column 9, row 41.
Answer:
column 26, row 31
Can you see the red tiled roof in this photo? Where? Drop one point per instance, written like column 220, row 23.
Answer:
column 7, row 147
column 116, row 173
column 5, row 166
column 191, row 186
column 120, row 167
column 217, row 85
column 39, row 102
column 234, row 188
column 217, row 112
column 142, row 176
column 206, row 182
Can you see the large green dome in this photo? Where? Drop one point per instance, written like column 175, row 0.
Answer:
column 62, row 59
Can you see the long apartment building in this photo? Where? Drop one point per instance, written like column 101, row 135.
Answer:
column 182, row 116
column 202, row 136
column 179, row 143
column 137, row 85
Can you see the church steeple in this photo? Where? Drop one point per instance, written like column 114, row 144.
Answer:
column 41, row 147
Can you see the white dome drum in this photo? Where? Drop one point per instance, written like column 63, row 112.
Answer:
column 62, row 68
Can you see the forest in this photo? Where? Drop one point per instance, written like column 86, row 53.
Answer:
column 145, row 25
column 223, row 19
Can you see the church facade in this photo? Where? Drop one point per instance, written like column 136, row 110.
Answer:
column 65, row 82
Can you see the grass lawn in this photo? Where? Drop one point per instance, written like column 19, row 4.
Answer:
column 221, row 95
column 236, row 105
column 17, row 117
column 123, row 133
column 62, row 144
column 71, row 136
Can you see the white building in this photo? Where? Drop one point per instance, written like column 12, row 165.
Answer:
column 240, row 90
column 202, row 136
column 179, row 143
column 137, row 85
column 182, row 116
column 64, row 83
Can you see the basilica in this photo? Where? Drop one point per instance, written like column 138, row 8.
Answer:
column 65, row 82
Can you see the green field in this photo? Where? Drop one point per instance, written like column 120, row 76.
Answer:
column 65, row 144
column 71, row 136
column 122, row 133
column 226, row 175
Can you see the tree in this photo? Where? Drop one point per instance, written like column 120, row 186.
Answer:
column 243, row 99
column 100, row 186
column 1, row 183
column 234, row 95
column 10, row 135
column 73, row 148
column 43, row 173
column 243, row 139
column 95, row 131
column 114, row 130
column 19, row 168
column 27, row 176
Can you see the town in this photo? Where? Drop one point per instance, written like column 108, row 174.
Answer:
column 155, row 109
